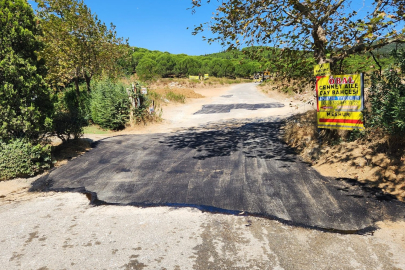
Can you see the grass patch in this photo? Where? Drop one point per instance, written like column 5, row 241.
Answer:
column 94, row 129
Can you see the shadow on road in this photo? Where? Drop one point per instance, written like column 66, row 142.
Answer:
column 255, row 140
column 229, row 167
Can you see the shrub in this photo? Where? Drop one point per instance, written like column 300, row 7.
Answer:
column 19, row 157
column 387, row 100
column 109, row 104
column 67, row 124
column 73, row 113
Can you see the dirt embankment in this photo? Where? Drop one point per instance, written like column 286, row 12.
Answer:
column 373, row 160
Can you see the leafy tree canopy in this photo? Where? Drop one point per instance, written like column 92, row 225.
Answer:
column 329, row 28
column 78, row 44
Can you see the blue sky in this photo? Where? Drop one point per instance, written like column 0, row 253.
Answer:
column 162, row 24
column 157, row 24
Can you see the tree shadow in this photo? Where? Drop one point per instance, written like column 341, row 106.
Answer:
column 370, row 191
column 254, row 140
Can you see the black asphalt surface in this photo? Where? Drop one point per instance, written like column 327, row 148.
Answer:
column 229, row 168
column 226, row 108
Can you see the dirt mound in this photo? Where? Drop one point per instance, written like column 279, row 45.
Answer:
column 186, row 92
column 369, row 161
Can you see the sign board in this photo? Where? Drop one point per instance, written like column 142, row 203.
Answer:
column 194, row 77
column 322, row 70
column 144, row 91
column 206, row 76
column 340, row 100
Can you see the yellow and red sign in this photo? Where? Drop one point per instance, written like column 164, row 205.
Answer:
column 322, row 70
column 340, row 101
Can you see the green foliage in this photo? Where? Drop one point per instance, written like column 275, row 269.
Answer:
column 190, row 66
column 72, row 113
column 25, row 99
column 109, row 104
column 19, row 158
column 387, row 99
column 146, row 69
column 78, row 44
column 399, row 59
column 67, row 124
column 330, row 30
column 165, row 65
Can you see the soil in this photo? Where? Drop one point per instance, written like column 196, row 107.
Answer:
column 366, row 161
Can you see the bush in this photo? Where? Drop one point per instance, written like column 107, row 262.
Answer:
column 19, row 157
column 73, row 113
column 109, row 104
column 67, row 124
column 387, row 99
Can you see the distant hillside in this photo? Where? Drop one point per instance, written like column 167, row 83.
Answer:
column 386, row 50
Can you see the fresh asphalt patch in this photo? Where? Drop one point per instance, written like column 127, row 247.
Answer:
column 226, row 108
column 232, row 168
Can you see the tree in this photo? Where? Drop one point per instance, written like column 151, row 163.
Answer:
column 228, row 68
column 178, row 67
column 216, row 67
column 205, row 69
column 146, row 69
column 78, row 44
column 25, row 99
column 190, row 66
column 331, row 29
column 165, row 65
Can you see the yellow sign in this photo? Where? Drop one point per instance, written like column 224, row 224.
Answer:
column 206, row 76
column 340, row 100
column 194, row 77
column 322, row 70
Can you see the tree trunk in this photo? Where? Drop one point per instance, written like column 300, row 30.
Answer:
column 79, row 102
column 77, row 86
column 88, row 79
column 319, row 36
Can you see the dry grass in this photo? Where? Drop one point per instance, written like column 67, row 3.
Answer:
column 375, row 160
column 66, row 151
column 181, row 89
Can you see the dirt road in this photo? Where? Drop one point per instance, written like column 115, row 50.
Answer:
column 219, row 162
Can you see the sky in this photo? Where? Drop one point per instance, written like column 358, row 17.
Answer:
column 162, row 24
column 157, row 24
